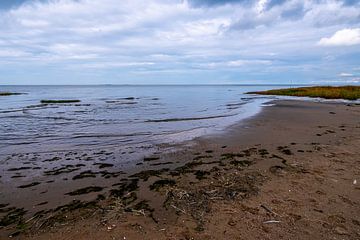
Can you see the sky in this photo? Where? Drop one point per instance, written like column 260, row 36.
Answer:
column 179, row 42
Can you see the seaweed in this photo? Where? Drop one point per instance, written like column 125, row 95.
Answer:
column 104, row 165
column 86, row 174
column 201, row 157
column 29, row 185
column 59, row 101
column 85, row 190
column 263, row 152
column 157, row 185
column 145, row 175
column 10, row 93
column 148, row 159
column 2, row 205
column 106, row 174
column 225, row 156
column 128, row 185
column 66, row 169
column 243, row 163
column 129, row 198
column 15, row 216
column 52, row 159
column 18, row 169
column 285, row 150
column 201, row 174
column 143, row 205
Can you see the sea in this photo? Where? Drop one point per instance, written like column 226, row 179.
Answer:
column 120, row 115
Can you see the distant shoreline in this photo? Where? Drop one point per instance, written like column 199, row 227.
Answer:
column 142, row 85
column 326, row 92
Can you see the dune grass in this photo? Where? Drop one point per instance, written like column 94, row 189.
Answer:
column 327, row 92
column 9, row 93
column 59, row 101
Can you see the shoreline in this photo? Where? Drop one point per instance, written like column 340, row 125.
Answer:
column 258, row 153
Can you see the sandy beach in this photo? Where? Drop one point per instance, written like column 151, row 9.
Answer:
column 290, row 172
column 179, row 120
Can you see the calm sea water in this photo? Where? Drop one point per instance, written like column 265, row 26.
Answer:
column 118, row 115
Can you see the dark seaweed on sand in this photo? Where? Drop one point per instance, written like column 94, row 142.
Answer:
column 15, row 216
column 85, row 190
column 126, row 186
column 29, row 185
column 145, row 175
column 157, row 185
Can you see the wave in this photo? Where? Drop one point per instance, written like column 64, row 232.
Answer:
column 188, row 119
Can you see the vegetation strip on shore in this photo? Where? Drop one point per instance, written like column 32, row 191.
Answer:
column 327, row 92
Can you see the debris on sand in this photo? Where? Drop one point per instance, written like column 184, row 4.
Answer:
column 195, row 200
column 157, row 185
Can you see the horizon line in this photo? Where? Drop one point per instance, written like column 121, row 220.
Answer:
column 180, row 84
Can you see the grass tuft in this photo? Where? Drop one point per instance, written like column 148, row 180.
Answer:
column 327, row 92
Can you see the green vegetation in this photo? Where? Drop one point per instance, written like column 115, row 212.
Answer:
column 343, row 92
column 59, row 101
column 9, row 93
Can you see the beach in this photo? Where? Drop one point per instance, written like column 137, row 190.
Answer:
column 179, row 120
column 289, row 172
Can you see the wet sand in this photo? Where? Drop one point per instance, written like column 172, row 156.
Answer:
column 290, row 172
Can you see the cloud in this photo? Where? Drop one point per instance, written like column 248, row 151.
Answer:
column 5, row 4
column 346, row 74
column 238, row 63
column 345, row 37
column 212, row 3
column 109, row 38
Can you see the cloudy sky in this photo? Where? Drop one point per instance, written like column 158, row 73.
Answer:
column 179, row 41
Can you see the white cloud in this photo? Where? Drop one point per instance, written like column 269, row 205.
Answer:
column 116, row 64
column 235, row 63
column 174, row 36
column 345, row 37
column 346, row 75
column 12, row 53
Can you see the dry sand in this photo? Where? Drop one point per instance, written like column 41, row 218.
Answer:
column 291, row 172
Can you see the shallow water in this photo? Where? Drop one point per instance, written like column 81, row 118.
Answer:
column 118, row 115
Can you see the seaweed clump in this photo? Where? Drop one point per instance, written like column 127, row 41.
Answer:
column 157, row 185
column 60, row 101
column 85, row 190
column 196, row 200
column 10, row 93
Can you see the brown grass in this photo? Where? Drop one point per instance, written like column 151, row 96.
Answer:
column 328, row 92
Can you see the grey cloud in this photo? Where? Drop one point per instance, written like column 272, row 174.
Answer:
column 6, row 4
column 209, row 3
column 295, row 12
column 351, row 2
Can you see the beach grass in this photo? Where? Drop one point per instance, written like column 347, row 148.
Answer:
column 59, row 101
column 327, row 92
column 9, row 93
